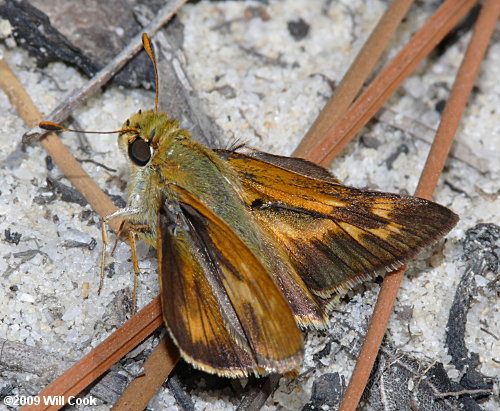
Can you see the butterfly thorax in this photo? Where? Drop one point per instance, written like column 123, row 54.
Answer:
column 174, row 157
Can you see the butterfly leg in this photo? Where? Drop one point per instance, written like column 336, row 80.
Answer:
column 123, row 228
column 132, row 237
column 123, row 212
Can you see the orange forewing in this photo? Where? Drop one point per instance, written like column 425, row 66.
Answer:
column 221, row 306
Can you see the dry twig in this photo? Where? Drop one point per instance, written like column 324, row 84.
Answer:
column 63, row 110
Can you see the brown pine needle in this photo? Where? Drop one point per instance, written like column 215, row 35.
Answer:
column 435, row 162
column 156, row 370
column 355, row 77
column 365, row 107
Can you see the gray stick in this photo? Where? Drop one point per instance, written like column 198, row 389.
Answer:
column 63, row 110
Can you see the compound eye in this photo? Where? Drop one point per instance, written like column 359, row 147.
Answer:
column 139, row 152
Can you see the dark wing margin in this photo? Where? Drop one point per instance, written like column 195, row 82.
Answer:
column 221, row 307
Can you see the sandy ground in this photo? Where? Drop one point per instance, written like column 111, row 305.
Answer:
column 265, row 88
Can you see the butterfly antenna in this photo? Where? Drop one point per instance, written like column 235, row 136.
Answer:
column 149, row 49
column 50, row 126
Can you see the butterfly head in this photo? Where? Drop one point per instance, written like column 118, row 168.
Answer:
column 143, row 133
